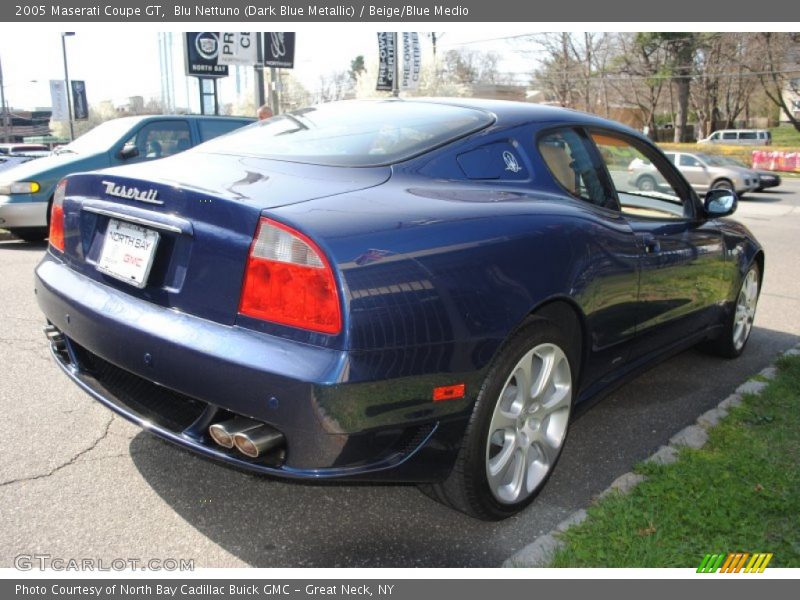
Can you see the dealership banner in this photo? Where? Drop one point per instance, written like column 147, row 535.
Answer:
column 58, row 99
column 462, row 11
column 412, row 61
column 201, row 54
column 279, row 49
column 387, row 55
column 238, row 48
column 80, row 107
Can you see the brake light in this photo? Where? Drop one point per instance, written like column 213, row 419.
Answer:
column 57, row 216
column 289, row 281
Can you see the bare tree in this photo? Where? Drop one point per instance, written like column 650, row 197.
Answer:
column 641, row 69
column 779, row 69
column 470, row 67
column 334, row 86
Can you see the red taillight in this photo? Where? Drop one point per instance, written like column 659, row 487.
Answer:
column 57, row 217
column 289, row 281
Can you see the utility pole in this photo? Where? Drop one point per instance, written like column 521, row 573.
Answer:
column 64, row 35
column 258, row 69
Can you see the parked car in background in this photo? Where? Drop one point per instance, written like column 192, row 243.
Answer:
column 6, row 162
column 398, row 290
column 766, row 179
column 706, row 172
column 20, row 148
column 739, row 137
column 26, row 191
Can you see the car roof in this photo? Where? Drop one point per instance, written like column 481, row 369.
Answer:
column 144, row 118
column 512, row 113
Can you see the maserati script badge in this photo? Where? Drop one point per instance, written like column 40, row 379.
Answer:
column 132, row 193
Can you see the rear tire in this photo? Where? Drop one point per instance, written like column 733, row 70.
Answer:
column 518, row 425
column 739, row 324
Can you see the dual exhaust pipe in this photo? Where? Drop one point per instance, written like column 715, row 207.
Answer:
column 249, row 437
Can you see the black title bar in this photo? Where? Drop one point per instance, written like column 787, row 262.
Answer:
column 399, row 11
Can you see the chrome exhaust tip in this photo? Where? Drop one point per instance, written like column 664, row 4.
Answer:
column 258, row 440
column 222, row 433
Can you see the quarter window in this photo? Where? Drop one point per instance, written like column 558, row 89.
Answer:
column 567, row 156
column 642, row 187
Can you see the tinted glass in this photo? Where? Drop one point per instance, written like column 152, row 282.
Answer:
column 353, row 134
column 641, row 187
column 566, row 154
column 747, row 135
column 688, row 161
column 729, row 136
column 211, row 128
column 161, row 139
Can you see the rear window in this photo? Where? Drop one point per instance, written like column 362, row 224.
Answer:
column 353, row 134
column 211, row 128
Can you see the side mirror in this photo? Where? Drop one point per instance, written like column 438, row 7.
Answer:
column 128, row 151
column 720, row 203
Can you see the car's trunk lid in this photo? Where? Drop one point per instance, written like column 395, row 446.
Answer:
column 205, row 213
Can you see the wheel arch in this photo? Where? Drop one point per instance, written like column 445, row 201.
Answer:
column 561, row 309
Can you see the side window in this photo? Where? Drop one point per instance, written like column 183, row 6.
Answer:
column 747, row 135
column 211, row 128
column 566, row 154
column 161, row 139
column 641, row 185
column 687, row 160
column 714, row 136
column 729, row 135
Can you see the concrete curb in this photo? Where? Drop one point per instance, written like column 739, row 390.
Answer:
column 541, row 551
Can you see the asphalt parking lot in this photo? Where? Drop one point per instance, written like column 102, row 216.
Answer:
column 77, row 482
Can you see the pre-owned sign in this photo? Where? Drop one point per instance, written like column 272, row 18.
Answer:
column 238, row 48
column 202, row 51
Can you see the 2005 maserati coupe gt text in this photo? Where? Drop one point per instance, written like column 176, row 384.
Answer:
column 406, row 290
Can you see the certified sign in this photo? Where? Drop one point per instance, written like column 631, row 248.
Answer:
column 202, row 51
column 128, row 252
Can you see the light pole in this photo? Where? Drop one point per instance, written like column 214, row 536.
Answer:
column 3, row 106
column 64, row 35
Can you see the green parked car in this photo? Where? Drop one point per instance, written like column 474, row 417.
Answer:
column 26, row 190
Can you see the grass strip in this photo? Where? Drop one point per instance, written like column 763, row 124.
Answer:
column 739, row 493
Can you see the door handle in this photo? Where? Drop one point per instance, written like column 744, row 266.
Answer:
column 651, row 244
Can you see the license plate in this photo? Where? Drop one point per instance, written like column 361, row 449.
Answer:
column 128, row 252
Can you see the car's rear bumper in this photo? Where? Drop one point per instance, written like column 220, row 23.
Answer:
column 174, row 374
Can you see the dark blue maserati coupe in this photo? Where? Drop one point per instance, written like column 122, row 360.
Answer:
column 405, row 290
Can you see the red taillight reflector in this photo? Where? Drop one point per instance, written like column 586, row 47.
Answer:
column 449, row 392
column 56, row 235
column 289, row 281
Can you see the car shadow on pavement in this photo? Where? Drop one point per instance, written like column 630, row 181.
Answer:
column 22, row 246
column 267, row 522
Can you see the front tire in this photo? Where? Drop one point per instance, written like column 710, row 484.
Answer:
column 30, row 234
column 518, row 426
column 646, row 183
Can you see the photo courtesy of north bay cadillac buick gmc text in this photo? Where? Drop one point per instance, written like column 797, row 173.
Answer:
column 423, row 290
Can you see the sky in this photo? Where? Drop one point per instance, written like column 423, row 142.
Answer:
column 119, row 61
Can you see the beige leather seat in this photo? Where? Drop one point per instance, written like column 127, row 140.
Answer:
column 559, row 163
